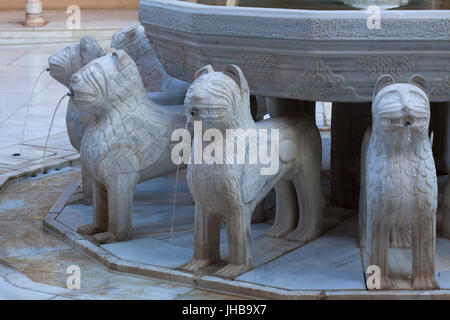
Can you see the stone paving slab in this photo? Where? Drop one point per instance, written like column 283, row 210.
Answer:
column 328, row 263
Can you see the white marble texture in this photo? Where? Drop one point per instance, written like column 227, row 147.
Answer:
column 150, row 251
column 21, row 238
column 328, row 263
column 11, row 292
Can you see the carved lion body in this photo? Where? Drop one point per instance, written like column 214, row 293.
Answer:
column 221, row 102
column 128, row 142
column 136, row 44
column 400, row 179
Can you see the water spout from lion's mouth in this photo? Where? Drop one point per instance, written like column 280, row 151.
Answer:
column 408, row 126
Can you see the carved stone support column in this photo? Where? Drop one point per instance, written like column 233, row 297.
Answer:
column 349, row 121
column 445, row 222
column 439, row 126
column 281, row 106
column 258, row 110
column 258, row 107
column 33, row 14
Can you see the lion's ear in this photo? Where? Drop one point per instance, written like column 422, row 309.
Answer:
column 236, row 74
column 123, row 59
column 202, row 71
column 90, row 49
column 382, row 82
column 418, row 81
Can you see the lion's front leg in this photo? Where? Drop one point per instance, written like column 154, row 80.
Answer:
column 206, row 240
column 120, row 205
column 100, row 207
column 239, row 243
column 423, row 254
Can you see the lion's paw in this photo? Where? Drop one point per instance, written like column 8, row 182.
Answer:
column 196, row 264
column 90, row 229
column 278, row 231
column 104, row 237
column 400, row 238
column 425, row 283
column 232, row 270
column 301, row 236
column 387, row 283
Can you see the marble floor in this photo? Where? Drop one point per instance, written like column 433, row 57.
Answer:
column 99, row 23
column 56, row 19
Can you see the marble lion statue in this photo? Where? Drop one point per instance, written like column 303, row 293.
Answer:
column 399, row 184
column 66, row 62
column 128, row 142
column 62, row 65
column 136, row 44
column 220, row 100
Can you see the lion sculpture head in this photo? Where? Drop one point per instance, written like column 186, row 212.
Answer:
column 136, row 44
column 219, row 99
column 111, row 81
column 69, row 60
column 400, row 109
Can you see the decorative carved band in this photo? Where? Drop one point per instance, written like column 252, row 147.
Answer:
column 377, row 66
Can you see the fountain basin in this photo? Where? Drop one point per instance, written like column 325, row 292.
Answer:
column 318, row 55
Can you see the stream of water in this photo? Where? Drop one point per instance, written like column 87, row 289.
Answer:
column 28, row 104
column 172, row 219
column 51, row 123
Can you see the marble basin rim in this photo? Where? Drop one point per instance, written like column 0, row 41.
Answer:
column 317, row 55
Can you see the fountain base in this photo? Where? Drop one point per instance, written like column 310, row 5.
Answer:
column 328, row 267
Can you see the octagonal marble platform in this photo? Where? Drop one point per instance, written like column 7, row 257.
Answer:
column 328, row 267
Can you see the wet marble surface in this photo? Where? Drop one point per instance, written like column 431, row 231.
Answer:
column 33, row 262
column 328, row 263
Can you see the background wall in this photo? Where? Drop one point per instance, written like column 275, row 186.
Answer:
column 63, row 4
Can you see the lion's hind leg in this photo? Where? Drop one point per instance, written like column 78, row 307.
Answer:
column 286, row 216
column 311, row 203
